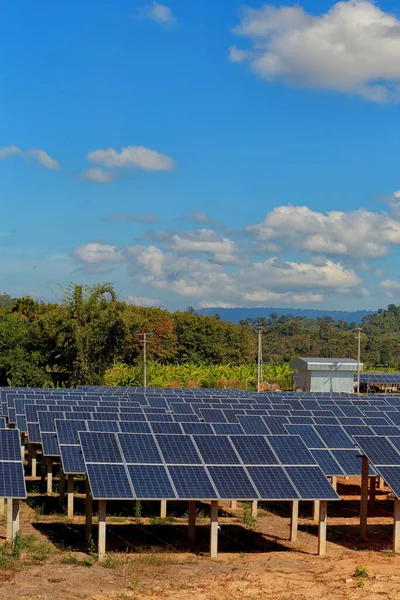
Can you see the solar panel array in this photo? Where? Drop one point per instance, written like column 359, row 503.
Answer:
column 198, row 425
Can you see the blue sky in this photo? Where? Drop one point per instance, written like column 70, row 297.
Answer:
column 203, row 153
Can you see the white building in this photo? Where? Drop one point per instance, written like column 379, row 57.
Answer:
column 325, row 374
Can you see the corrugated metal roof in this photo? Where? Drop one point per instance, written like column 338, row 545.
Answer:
column 325, row 364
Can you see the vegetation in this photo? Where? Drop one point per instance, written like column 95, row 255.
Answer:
column 91, row 337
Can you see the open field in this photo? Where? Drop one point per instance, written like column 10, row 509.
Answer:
column 149, row 557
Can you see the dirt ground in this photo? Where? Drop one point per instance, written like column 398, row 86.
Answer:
column 149, row 557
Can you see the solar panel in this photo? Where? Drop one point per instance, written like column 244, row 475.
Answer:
column 181, row 408
column 10, row 445
column 232, row 483
column 105, row 426
column 350, row 461
column 134, row 427
column 253, row 425
column 334, row 436
column 291, row 450
column 67, row 430
column 139, row 448
column 50, row 444
column 272, row 483
column 227, row 428
column 276, row 425
column 378, row 450
column 12, row 482
column 311, row 483
column 100, row 448
column 254, row 450
column 385, row 430
column 357, row 430
column 33, row 433
column 199, row 428
column 192, row 482
column 327, row 463
column 391, row 475
column 186, row 419
column 216, row 450
column 213, row 415
column 307, row 434
column 178, row 449
column 72, row 459
column 151, row 482
column 109, row 482
column 170, row 428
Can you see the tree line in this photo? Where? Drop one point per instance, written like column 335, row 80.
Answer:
column 81, row 339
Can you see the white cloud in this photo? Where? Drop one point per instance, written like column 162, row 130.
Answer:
column 44, row 159
column 216, row 304
column 357, row 234
column 98, row 175
column 9, row 151
column 97, row 253
column 132, row 156
column 160, row 13
column 204, row 241
column 263, row 297
column 143, row 301
column 237, row 55
column 353, row 48
column 390, row 287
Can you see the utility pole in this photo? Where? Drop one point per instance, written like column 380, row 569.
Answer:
column 145, row 341
column 260, row 360
column 359, row 330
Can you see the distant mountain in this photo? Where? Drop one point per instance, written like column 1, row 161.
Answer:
column 237, row 314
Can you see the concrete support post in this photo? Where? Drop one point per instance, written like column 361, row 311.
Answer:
column 254, row 509
column 396, row 526
column 15, row 518
column 101, row 545
column 49, row 475
column 33, row 460
column 163, row 509
column 89, row 511
column 70, row 496
column 372, row 493
column 294, row 519
column 43, row 473
column 334, row 482
column 323, row 510
column 23, row 447
column 1, row 507
column 234, row 504
column 192, row 523
column 214, row 529
column 316, row 510
column 364, row 498
column 61, row 498
column 9, row 518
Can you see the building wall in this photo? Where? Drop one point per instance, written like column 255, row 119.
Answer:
column 326, row 381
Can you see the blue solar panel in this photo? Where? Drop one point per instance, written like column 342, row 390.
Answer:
column 12, row 482
column 132, row 417
column 216, row 450
column 311, row 483
column 272, row 483
column 10, row 445
column 253, row 425
column 151, row 482
column 232, row 483
column 33, row 433
column 72, row 459
column 199, row 428
column 378, row 450
column 350, row 461
column 394, row 417
column 186, row 419
column 134, row 427
column 391, row 475
column 213, row 415
column 334, row 436
column 105, row 426
column 307, row 434
column 50, row 444
column 291, row 450
column 192, row 483
column 46, row 420
column 139, row 448
column 306, row 420
column 100, row 448
column 178, row 449
column 385, row 430
column 170, row 428
column 67, row 430
column 357, row 430
column 227, row 429
column 254, row 450
column 181, row 408
column 327, row 463
column 109, row 482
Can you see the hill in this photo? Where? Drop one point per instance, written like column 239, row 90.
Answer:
column 235, row 315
